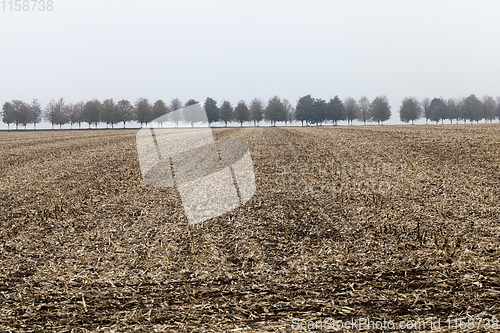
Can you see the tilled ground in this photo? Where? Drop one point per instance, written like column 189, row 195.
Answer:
column 380, row 222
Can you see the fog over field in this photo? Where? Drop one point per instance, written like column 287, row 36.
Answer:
column 168, row 225
column 236, row 50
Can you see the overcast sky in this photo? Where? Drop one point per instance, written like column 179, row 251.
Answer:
column 235, row 50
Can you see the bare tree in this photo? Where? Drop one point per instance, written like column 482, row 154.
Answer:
column 256, row 111
column 110, row 113
column 489, row 108
column 498, row 108
column 159, row 109
column 8, row 114
column 22, row 112
column 91, row 112
column 143, row 111
column 380, row 110
column 69, row 111
column 55, row 113
column 426, row 104
column 410, row 110
column 176, row 104
column 241, row 113
column 126, row 111
column 364, row 109
column 211, row 110
column 453, row 110
column 36, row 112
column 352, row 109
column 290, row 111
column 226, row 112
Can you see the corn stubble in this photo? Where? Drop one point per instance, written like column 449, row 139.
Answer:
column 385, row 222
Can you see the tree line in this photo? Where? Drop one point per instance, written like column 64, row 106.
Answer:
column 307, row 110
column 438, row 110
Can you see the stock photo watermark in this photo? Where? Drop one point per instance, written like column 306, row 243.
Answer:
column 335, row 178
column 212, row 177
column 362, row 324
column 27, row 5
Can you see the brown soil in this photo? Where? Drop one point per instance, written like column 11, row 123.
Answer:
column 386, row 222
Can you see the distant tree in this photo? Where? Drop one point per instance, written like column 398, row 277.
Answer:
column 290, row 111
column 489, row 108
column 211, row 110
column 176, row 117
column 110, row 113
column 226, row 112
column 190, row 115
column 364, row 109
column 92, row 112
column 22, row 113
column 437, row 110
column 17, row 107
column 8, row 114
column 320, row 112
column 67, row 110
column 176, row 104
column 426, row 103
column 75, row 112
column 50, row 113
column 143, row 111
column 410, row 110
column 159, row 109
column 256, row 111
column 453, row 110
column 275, row 110
column 191, row 102
column 337, row 110
column 472, row 108
column 380, row 110
column 36, row 112
column 498, row 108
column 55, row 113
column 62, row 116
column 304, row 109
column 352, row 109
column 126, row 111
column 241, row 113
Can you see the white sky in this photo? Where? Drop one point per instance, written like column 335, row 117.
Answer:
column 234, row 50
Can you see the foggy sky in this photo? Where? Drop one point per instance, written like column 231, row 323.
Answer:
column 121, row 49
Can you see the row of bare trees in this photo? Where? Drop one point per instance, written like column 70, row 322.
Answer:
column 91, row 112
column 468, row 108
column 142, row 111
column 307, row 110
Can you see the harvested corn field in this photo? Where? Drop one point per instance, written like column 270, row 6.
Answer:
column 381, row 222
